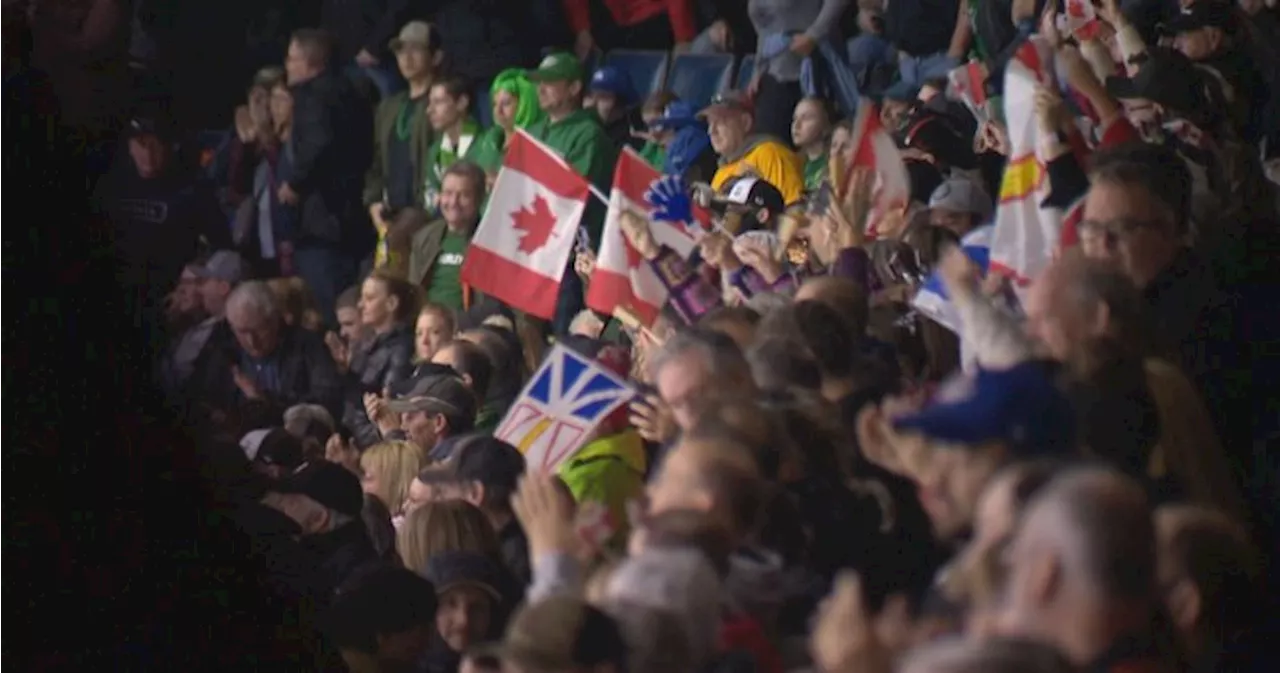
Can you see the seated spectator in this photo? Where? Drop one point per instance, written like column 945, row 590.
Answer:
column 435, row 328
column 387, row 304
column 298, row 306
column 473, row 365
column 312, row 425
column 426, row 410
column 730, row 120
column 471, row 609
column 269, row 367
column 484, row 471
column 652, row 150
column 959, row 205
column 387, row 469
column 509, row 369
column 383, row 621
column 449, row 104
column 563, row 633
column 402, row 133
column 216, row 278
column 347, row 310
column 436, row 524
column 184, row 306
column 611, row 95
column 685, row 143
column 275, row 453
column 811, row 133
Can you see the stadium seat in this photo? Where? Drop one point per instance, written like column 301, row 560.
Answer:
column 696, row 78
column 745, row 70
column 482, row 108
column 645, row 69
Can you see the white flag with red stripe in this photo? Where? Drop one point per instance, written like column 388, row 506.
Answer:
column 621, row 277
column 968, row 84
column 1026, row 233
column 1080, row 20
column 874, row 148
column 522, row 246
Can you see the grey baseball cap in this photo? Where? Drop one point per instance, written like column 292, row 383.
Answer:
column 225, row 265
column 961, row 195
column 438, row 393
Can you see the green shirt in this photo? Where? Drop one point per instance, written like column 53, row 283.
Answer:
column 654, row 154
column 580, row 140
column 443, row 153
column 814, row 171
column 445, row 288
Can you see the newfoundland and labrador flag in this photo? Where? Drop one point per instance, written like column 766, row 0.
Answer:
column 522, row 246
column 1026, row 232
column 560, row 407
column 622, row 279
column 931, row 299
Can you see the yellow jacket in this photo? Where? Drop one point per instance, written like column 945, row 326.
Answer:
column 769, row 159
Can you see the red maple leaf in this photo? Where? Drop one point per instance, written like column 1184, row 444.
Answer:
column 537, row 222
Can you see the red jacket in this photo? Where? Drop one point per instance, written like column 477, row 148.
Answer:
column 630, row 12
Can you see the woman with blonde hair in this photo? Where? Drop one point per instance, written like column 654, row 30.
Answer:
column 445, row 526
column 387, row 470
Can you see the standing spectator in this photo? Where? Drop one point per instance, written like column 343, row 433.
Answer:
column 331, row 149
column 456, row 130
column 265, row 228
column 811, row 133
column 401, row 130
column 576, row 134
column 483, row 38
column 789, row 31
column 384, row 621
column 728, row 28
column 931, row 36
column 630, row 24
column 361, row 30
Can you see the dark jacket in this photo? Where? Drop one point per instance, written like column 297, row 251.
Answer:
column 515, row 552
column 332, row 146
column 363, row 24
column 481, row 38
column 306, row 373
column 377, row 363
column 421, row 136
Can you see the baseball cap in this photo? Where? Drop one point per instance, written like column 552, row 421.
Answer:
column 327, row 483
column 379, row 601
column 1200, row 14
column 677, row 115
column 1167, row 78
column 560, row 66
column 755, row 193
column 449, row 570
column 961, row 195
column 483, row 459
column 273, row 446
column 560, row 633
column 902, row 91
column 729, row 101
column 147, row 126
column 609, row 79
column 445, row 394
column 225, row 265
column 416, row 34
column 1020, row 406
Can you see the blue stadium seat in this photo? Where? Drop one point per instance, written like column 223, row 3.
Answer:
column 645, row 69
column 696, row 78
column 745, row 70
column 482, row 107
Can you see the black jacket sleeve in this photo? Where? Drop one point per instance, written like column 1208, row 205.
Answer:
column 313, row 132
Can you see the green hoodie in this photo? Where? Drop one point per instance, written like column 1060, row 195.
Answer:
column 581, row 141
column 610, row 471
column 440, row 157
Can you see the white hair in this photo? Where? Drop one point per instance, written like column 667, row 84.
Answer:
column 253, row 297
column 299, row 417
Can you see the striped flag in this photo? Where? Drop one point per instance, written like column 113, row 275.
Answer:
column 968, row 84
column 522, row 245
column 931, row 299
column 621, row 278
column 874, row 148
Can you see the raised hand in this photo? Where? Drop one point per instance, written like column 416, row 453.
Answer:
column 545, row 516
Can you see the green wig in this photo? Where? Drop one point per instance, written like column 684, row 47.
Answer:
column 514, row 82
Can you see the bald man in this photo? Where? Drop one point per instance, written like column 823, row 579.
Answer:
column 1082, row 572
column 1077, row 300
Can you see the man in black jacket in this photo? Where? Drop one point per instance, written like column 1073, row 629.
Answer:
column 331, row 146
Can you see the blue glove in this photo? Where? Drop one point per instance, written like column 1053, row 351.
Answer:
column 670, row 200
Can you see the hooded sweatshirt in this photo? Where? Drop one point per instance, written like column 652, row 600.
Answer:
column 610, row 471
column 769, row 158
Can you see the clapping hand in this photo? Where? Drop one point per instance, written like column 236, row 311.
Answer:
column 545, row 516
column 847, row 639
column 652, row 418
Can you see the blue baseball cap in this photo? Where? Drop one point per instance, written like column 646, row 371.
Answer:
column 611, row 80
column 1020, row 406
column 678, row 115
column 902, row 90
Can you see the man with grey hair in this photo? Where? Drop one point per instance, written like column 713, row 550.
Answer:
column 1082, row 573
column 695, row 366
column 216, row 278
column 266, row 366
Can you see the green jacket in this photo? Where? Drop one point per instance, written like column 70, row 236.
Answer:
column 489, row 149
column 581, row 141
column 610, row 471
column 654, row 154
column 421, row 136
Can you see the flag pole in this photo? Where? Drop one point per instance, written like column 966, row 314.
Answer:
column 598, row 194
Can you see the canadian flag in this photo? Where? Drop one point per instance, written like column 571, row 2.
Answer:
column 874, row 148
column 968, row 84
column 521, row 248
column 622, row 278
column 1080, row 20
